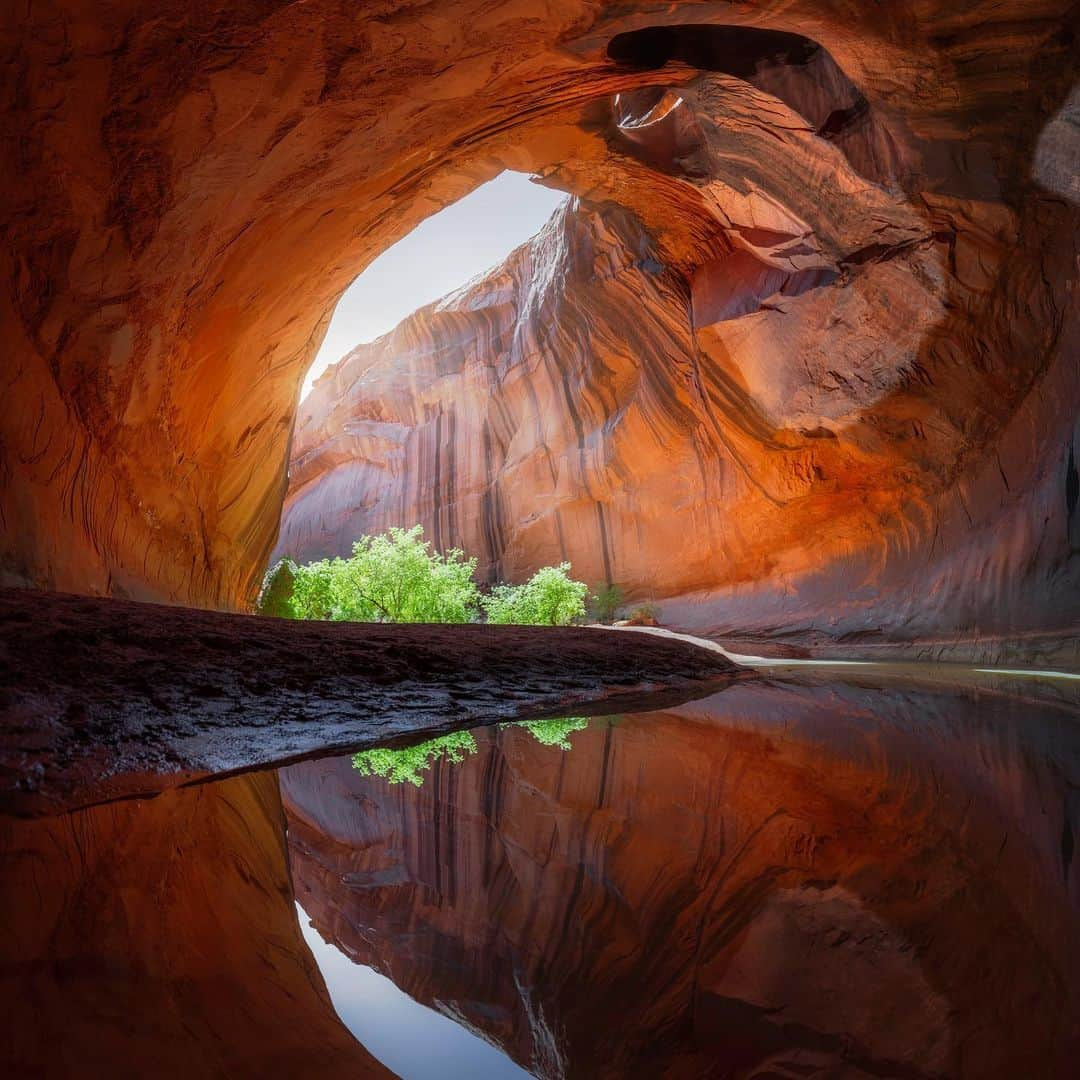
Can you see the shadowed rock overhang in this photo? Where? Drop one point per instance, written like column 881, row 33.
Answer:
column 110, row 699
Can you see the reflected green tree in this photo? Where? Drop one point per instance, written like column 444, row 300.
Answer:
column 554, row 732
column 408, row 764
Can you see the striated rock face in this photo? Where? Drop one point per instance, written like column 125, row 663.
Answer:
column 160, row 938
column 782, row 880
column 835, row 401
column 852, row 243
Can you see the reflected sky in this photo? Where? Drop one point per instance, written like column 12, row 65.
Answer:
column 860, row 871
column 414, row 1041
column 854, row 872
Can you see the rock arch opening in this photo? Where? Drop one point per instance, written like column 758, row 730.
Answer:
column 846, row 288
column 442, row 254
column 734, row 50
column 725, row 344
column 798, row 357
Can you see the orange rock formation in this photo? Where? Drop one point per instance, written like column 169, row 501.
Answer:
column 160, row 938
column 804, row 380
column 884, row 192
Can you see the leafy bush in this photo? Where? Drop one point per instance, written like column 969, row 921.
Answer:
column 606, row 603
column 549, row 598
column 275, row 597
column 554, row 732
column 314, row 590
column 406, row 765
column 395, row 577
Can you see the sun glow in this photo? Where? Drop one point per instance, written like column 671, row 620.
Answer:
column 439, row 255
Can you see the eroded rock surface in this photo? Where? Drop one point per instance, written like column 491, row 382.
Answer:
column 843, row 879
column 818, row 389
column 861, row 224
column 106, row 699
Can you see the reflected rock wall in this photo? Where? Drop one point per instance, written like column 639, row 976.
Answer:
column 160, row 938
column 819, row 881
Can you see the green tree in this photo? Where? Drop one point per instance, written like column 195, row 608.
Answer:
column 314, row 590
column 549, row 598
column 395, row 577
column 398, row 578
column 275, row 597
column 407, row 764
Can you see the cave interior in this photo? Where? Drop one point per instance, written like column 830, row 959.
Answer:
column 796, row 363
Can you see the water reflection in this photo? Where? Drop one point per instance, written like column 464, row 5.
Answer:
column 414, row 1041
column 408, row 764
column 816, row 878
column 849, row 875
column 158, row 938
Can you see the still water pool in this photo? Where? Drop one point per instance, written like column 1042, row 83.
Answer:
column 854, row 873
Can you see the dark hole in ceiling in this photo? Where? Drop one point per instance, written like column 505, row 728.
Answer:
column 735, row 50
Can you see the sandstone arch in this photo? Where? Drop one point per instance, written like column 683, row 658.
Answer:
column 190, row 189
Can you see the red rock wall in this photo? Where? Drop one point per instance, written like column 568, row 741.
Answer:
column 190, row 187
column 817, row 385
column 841, row 880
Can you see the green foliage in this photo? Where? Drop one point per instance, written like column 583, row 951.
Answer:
column 275, row 597
column 406, row 765
column 395, row 577
column 314, row 590
column 549, row 598
column 398, row 578
column 606, row 602
column 554, row 732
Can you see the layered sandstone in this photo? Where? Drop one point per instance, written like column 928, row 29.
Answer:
column 846, row 879
column 833, row 399
column 868, row 210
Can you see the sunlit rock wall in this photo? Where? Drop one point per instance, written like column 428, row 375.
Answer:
column 834, row 401
column 188, row 189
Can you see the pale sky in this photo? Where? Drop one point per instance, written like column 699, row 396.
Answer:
column 414, row 1041
column 440, row 254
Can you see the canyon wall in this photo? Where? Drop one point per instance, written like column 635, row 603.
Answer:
column 780, row 880
column 834, row 403
column 190, row 188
